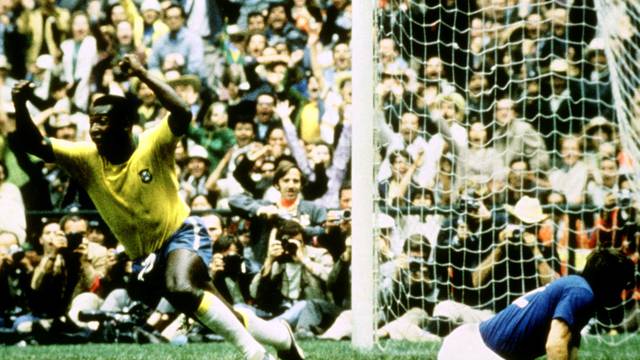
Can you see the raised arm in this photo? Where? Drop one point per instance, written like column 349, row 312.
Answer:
column 32, row 140
column 180, row 117
column 284, row 110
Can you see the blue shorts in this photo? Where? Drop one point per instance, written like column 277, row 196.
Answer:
column 192, row 235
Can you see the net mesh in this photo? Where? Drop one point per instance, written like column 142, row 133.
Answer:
column 507, row 125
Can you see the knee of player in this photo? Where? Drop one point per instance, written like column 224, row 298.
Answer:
column 182, row 295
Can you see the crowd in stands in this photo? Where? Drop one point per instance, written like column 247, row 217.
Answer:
column 488, row 117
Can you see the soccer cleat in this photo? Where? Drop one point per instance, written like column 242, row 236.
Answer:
column 294, row 352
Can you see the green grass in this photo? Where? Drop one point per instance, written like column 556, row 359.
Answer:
column 320, row 350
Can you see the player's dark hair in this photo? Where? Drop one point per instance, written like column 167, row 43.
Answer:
column 608, row 272
column 121, row 111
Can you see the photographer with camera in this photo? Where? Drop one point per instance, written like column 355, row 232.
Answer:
column 465, row 238
column 617, row 222
column 516, row 264
column 292, row 283
column 15, row 276
column 228, row 269
column 265, row 215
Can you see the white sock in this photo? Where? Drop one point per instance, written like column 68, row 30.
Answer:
column 213, row 313
column 272, row 332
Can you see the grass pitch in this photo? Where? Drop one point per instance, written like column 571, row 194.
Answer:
column 591, row 348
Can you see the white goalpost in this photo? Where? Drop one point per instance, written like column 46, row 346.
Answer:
column 362, row 292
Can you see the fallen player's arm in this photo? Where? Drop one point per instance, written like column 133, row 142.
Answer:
column 558, row 340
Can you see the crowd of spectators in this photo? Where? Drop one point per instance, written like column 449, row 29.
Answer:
column 495, row 110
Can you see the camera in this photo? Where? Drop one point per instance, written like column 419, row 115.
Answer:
column 339, row 215
column 417, row 264
column 233, row 264
column 468, row 203
column 290, row 248
column 16, row 252
column 120, row 73
column 516, row 233
column 624, row 198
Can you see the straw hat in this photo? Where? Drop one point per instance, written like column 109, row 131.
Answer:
column 528, row 210
column 187, row 80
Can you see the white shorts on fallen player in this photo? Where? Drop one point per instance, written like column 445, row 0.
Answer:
column 466, row 343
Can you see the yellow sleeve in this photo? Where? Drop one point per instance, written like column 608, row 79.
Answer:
column 163, row 138
column 77, row 158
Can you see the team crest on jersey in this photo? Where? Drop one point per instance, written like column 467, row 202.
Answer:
column 145, row 176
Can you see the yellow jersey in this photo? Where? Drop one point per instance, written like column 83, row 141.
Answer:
column 138, row 199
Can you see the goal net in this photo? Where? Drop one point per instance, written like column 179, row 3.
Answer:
column 507, row 147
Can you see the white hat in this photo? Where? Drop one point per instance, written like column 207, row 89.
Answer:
column 528, row 210
column 150, row 5
column 384, row 221
column 45, row 62
column 597, row 44
column 198, row 151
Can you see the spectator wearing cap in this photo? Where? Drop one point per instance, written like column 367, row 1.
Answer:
column 188, row 88
column 194, row 179
column 79, row 55
column 180, row 40
column 44, row 39
column 597, row 82
column 516, row 264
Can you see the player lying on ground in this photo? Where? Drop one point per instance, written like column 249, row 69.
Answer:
column 132, row 182
column 547, row 320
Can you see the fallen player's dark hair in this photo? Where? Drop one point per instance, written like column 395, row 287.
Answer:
column 608, row 272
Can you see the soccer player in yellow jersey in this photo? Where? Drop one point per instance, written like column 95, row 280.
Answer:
column 132, row 182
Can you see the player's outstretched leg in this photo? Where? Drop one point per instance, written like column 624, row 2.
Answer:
column 187, row 290
column 275, row 332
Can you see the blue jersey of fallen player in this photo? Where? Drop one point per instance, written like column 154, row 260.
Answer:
column 520, row 330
